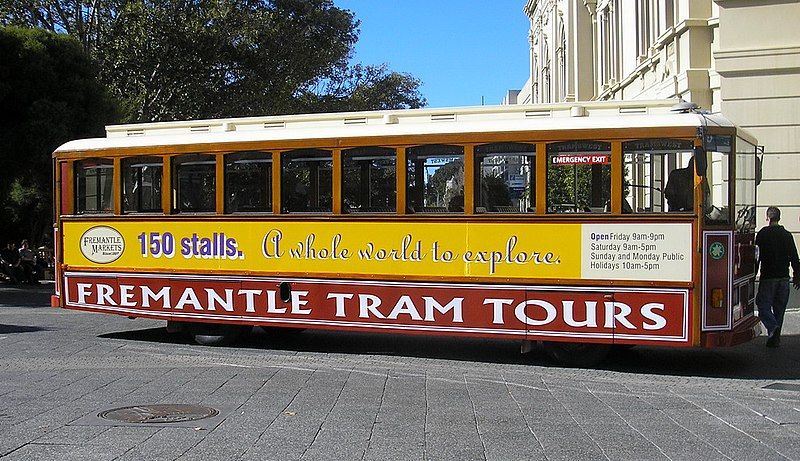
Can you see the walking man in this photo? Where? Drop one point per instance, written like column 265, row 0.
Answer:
column 776, row 252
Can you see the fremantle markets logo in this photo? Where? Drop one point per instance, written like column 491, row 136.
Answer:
column 102, row 244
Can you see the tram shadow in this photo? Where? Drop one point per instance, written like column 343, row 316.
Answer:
column 751, row 361
column 355, row 343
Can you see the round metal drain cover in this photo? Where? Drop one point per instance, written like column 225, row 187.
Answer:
column 161, row 413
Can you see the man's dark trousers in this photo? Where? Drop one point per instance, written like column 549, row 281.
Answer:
column 772, row 297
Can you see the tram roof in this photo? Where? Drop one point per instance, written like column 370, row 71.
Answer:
column 408, row 122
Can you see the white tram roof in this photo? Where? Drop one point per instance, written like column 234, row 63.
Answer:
column 407, row 122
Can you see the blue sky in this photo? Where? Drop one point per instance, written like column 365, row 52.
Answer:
column 461, row 50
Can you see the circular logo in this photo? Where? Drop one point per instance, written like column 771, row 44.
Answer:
column 716, row 250
column 102, row 244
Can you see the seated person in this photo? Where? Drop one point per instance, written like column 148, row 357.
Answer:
column 27, row 260
column 680, row 188
column 10, row 263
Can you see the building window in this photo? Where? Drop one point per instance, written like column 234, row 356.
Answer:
column 141, row 184
column 94, row 186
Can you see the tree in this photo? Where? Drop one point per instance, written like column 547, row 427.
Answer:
column 49, row 94
column 184, row 59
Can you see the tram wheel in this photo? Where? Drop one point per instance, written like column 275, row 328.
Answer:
column 576, row 354
column 217, row 334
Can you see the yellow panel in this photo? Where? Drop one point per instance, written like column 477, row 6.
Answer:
column 457, row 249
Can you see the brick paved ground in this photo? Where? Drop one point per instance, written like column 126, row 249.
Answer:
column 319, row 395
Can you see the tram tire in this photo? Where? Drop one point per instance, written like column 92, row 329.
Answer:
column 215, row 335
column 576, row 354
column 282, row 331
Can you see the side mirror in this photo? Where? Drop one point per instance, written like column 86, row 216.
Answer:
column 759, row 164
column 700, row 161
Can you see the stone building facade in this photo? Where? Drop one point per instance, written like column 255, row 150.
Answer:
column 738, row 57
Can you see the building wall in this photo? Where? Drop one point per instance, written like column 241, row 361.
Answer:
column 758, row 59
column 738, row 57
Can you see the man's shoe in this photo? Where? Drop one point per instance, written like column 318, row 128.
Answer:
column 774, row 339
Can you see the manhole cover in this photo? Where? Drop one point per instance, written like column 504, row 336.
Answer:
column 784, row 387
column 164, row 413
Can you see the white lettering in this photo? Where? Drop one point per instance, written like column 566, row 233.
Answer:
column 163, row 295
column 271, row 309
column 432, row 304
column 519, row 312
column 405, row 306
column 497, row 306
column 614, row 318
column 226, row 303
column 591, row 314
column 340, row 297
column 249, row 299
column 189, row 297
column 83, row 292
column 297, row 303
column 104, row 293
column 125, row 296
column 659, row 322
column 367, row 304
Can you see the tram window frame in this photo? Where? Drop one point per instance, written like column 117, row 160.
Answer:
column 600, row 170
column 651, row 170
column 103, row 185
column 178, row 192
column 416, row 196
column 317, row 198
column 717, row 188
column 139, row 165
column 364, row 163
column 257, row 184
column 505, row 149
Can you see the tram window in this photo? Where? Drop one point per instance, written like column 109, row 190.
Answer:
column 368, row 180
column 579, row 177
column 248, row 182
column 141, row 184
column 657, row 176
column 94, row 186
column 194, row 183
column 505, row 179
column 306, row 181
column 435, row 179
column 718, row 150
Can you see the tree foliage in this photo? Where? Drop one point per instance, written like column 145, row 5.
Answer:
column 49, row 94
column 184, row 59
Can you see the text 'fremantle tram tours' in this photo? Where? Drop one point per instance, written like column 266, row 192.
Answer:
column 580, row 226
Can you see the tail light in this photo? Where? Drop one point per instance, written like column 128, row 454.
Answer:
column 717, row 297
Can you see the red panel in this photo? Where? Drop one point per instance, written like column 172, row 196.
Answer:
column 717, row 274
column 745, row 257
column 512, row 312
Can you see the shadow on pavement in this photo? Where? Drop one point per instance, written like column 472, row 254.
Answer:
column 6, row 329
column 25, row 295
column 748, row 361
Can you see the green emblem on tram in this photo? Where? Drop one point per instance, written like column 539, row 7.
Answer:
column 716, row 250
